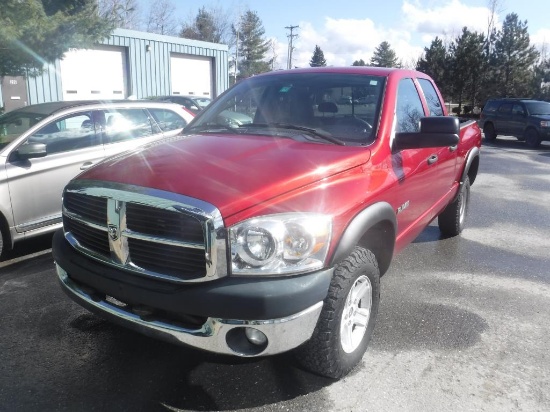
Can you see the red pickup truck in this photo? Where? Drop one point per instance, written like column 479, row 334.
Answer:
column 260, row 238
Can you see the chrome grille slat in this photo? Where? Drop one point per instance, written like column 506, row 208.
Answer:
column 170, row 259
column 163, row 223
column 94, row 239
column 146, row 231
column 91, row 208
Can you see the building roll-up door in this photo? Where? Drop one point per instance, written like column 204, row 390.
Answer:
column 89, row 74
column 191, row 75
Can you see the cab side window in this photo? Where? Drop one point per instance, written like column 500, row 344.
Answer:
column 434, row 104
column 409, row 108
column 167, row 119
column 71, row 132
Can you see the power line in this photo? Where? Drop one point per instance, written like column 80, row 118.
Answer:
column 291, row 37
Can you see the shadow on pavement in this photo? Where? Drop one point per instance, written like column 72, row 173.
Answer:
column 27, row 247
column 510, row 142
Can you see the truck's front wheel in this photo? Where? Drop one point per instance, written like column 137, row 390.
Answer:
column 347, row 320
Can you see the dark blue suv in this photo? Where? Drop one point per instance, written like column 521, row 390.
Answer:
column 527, row 120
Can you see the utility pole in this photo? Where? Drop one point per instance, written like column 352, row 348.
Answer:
column 291, row 37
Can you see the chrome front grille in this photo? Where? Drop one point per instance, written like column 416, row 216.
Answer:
column 163, row 223
column 149, row 232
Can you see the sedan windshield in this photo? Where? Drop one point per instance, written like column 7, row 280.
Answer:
column 323, row 107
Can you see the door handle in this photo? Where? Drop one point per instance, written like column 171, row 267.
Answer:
column 86, row 165
column 453, row 148
column 432, row 159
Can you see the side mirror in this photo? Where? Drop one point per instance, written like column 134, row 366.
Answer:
column 31, row 151
column 437, row 131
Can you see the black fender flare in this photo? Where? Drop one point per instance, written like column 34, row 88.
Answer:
column 374, row 228
column 473, row 155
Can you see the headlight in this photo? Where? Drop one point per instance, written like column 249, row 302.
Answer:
column 545, row 123
column 280, row 244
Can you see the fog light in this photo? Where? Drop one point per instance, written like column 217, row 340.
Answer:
column 255, row 336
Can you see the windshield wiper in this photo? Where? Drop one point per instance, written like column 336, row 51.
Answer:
column 315, row 132
column 211, row 128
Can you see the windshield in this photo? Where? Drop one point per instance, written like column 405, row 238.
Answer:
column 538, row 108
column 15, row 123
column 303, row 106
column 202, row 101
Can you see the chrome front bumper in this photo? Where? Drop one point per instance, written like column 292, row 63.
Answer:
column 224, row 336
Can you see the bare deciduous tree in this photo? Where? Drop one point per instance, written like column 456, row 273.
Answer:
column 125, row 13
column 160, row 18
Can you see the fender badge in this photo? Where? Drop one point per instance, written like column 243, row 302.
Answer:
column 403, row 207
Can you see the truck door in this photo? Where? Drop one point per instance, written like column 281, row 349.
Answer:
column 446, row 162
column 424, row 175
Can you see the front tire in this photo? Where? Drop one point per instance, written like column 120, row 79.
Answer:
column 451, row 220
column 532, row 138
column 346, row 323
column 1, row 242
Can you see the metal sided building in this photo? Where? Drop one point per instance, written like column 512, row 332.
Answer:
column 129, row 64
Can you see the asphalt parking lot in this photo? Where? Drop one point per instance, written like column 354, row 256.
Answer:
column 463, row 326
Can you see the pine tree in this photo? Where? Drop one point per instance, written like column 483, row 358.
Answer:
column 212, row 25
column 252, row 46
column 360, row 62
column 36, row 32
column 513, row 59
column 384, row 56
column 467, row 65
column 434, row 63
column 318, row 58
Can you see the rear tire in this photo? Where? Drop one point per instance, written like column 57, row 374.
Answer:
column 532, row 138
column 347, row 320
column 489, row 132
column 451, row 220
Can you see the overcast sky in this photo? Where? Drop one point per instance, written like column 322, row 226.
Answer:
column 349, row 30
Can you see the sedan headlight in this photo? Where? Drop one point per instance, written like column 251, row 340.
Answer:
column 280, row 244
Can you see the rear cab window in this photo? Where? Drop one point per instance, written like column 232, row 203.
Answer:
column 434, row 104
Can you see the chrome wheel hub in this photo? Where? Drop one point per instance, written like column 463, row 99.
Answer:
column 356, row 314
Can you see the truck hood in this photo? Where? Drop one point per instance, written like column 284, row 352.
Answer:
column 232, row 172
